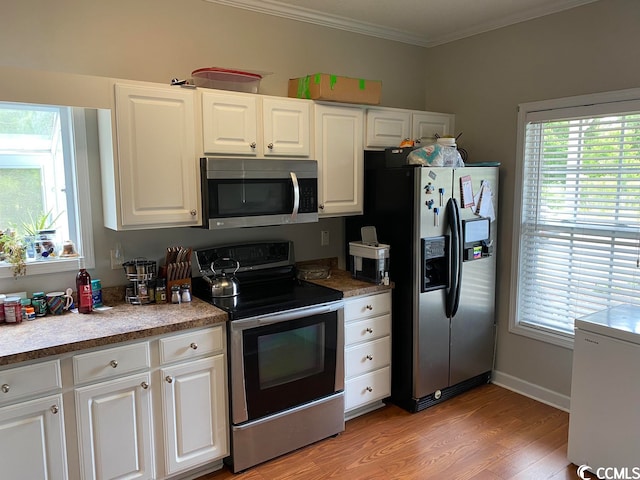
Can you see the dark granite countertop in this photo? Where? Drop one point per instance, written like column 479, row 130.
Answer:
column 59, row 334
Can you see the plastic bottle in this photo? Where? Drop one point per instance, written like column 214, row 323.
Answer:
column 96, row 293
column 83, row 288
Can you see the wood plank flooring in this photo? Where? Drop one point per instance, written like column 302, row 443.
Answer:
column 488, row 433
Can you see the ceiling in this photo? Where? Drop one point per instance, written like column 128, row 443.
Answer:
column 417, row 22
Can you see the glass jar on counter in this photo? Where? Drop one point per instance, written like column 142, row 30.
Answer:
column 185, row 293
column 175, row 294
column 161, row 291
column 39, row 304
column 12, row 310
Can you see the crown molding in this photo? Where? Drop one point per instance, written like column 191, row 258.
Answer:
column 279, row 9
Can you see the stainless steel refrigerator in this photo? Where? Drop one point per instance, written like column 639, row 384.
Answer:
column 441, row 225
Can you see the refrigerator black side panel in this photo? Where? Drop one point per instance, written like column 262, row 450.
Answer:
column 389, row 206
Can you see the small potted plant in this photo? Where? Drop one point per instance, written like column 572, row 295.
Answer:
column 40, row 231
column 13, row 251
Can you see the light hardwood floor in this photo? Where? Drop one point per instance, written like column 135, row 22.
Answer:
column 488, row 433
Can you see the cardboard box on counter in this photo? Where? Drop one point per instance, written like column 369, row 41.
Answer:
column 323, row 86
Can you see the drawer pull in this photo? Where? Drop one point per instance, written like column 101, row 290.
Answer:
column 369, row 330
column 113, row 363
column 369, row 307
column 369, row 357
column 144, row 385
column 194, row 345
column 54, row 409
column 169, row 379
column 270, row 146
column 369, row 389
column 5, row 388
column 252, row 144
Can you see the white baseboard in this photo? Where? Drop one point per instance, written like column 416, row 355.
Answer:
column 531, row 390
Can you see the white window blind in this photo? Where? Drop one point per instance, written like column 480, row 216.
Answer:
column 580, row 216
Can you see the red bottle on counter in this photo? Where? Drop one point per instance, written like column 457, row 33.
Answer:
column 83, row 288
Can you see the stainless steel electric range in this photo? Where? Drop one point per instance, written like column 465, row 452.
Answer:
column 285, row 351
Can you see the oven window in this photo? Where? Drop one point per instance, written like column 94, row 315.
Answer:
column 291, row 355
column 231, row 198
column 289, row 363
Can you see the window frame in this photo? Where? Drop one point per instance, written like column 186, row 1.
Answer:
column 582, row 105
column 78, row 179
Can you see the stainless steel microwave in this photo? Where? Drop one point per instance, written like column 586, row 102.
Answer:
column 239, row 192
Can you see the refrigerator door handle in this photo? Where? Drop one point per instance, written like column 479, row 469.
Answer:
column 455, row 255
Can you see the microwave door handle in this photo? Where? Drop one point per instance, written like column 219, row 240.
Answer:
column 296, row 195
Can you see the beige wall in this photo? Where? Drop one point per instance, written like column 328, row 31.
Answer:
column 484, row 78
column 156, row 40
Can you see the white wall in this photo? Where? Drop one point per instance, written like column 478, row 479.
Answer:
column 484, row 78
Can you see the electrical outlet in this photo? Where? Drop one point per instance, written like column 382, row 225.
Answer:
column 324, row 238
column 117, row 258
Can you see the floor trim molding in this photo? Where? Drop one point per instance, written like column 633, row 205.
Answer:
column 531, row 390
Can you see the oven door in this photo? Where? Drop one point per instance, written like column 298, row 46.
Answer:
column 252, row 193
column 284, row 360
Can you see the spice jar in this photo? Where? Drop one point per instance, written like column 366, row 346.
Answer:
column 29, row 313
column 161, row 291
column 12, row 310
column 185, row 293
column 175, row 294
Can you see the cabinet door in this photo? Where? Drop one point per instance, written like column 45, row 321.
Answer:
column 194, row 410
column 387, row 128
column 286, row 125
column 32, row 440
column 340, row 155
column 114, row 429
column 425, row 126
column 158, row 168
column 230, row 123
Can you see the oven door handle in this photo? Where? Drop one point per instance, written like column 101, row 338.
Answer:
column 285, row 316
column 296, row 195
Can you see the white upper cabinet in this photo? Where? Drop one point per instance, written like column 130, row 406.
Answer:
column 150, row 169
column 340, row 155
column 387, row 127
column 254, row 125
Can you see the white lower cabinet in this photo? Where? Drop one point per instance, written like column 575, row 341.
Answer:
column 32, row 440
column 114, row 429
column 32, row 433
column 151, row 410
column 367, row 352
column 194, row 413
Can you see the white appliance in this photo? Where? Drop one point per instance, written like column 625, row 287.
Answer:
column 604, row 420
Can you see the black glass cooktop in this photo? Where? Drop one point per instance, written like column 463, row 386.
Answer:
column 266, row 275
column 269, row 297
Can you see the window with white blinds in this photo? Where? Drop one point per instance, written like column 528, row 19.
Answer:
column 579, row 225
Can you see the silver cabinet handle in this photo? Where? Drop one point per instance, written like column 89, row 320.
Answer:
column 270, row 146
column 54, row 409
column 144, row 385
column 369, row 357
column 369, row 389
column 369, row 330
column 369, row 307
column 321, row 206
column 169, row 379
column 193, row 213
column 113, row 363
column 252, row 144
column 5, row 388
column 194, row 345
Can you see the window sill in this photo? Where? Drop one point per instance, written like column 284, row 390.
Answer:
column 43, row 267
column 542, row 334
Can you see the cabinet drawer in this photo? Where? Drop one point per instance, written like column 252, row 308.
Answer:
column 367, row 388
column 21, row 382
column 369, row 306
column 367, row 357
column 191, row 344
column 367, row 329
column 111, row 362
